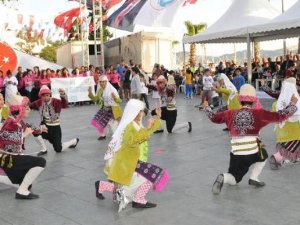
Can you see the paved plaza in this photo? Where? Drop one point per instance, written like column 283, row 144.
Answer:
column 67, row 193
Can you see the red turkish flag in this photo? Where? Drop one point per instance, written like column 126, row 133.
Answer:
column 8, row 58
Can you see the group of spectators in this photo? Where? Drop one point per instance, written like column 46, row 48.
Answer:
column 131, row 80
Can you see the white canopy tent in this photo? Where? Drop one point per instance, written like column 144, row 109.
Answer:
column 28, row 62
column 233, row 26
column 286, row 25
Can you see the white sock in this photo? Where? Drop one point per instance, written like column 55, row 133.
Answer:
column 181, row 126
column 5, row 180
column 39, row 139
column 256, row 170
column 229, row 179
column 29, row 178
column 66, row 145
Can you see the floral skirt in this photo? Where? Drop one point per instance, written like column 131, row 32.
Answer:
column 101, row 119
column 156, row 175
column 289, row 150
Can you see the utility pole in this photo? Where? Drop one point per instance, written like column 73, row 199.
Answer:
column 98, row 32
column 84, row 34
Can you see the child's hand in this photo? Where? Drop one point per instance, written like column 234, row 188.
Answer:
column 28, row 131
column 113, row 95
column 294, row 100
column 150, row 123
column 44, row 129
column 158, row 112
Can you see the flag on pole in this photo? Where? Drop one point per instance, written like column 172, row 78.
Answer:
column 124, row 17
column 152, row 13
column 65, row 20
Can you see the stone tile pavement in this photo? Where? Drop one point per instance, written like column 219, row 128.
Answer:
column 193, row 160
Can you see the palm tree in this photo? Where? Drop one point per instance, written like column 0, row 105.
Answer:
column 257, row 50
column 193, row 29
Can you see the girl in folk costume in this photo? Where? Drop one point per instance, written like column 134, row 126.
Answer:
column 110, row 111
column 126, row 160
column 272, row 93
column 288, row 132
column 244, row 126
column 228, row 91
column 50, row 109
column 20, row 169
column 168, row 105
column 4, row 111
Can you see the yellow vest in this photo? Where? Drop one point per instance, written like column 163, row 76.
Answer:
column 126, row 159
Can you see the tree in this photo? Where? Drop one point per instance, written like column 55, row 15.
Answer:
column 193, row 29
column 49, row 52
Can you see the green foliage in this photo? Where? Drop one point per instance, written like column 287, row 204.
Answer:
column 193, row 29
column 49, row 52
column 175, row 43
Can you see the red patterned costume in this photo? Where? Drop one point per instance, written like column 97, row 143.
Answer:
column 49, row 114
column 20, row 169
column 244, row 126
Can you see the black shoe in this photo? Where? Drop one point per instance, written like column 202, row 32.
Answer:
column 74, row 146
column 41, row 153
column 143, row 206
column 27, row 197
column 273, row 163
column 225, row 129
column 98, row 195
column 158, row 131
column 101, row 138
column 217, row 186
column 256, row 183
column 29, row 187
column 190, row 127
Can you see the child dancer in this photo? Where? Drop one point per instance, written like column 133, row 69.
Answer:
column 126, row 160
column 50, row 109
column 4, row 111
column 20, row 169
column 244, row 126
column 110, row 111
column 168, row 106
column 288, row 132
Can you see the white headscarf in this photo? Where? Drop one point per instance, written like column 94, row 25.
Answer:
column 229, row 85
column 131, row 111
column 287, row 91
column 107, row 92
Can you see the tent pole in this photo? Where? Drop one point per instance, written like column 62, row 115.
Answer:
column 183, row 48
column 249, row 65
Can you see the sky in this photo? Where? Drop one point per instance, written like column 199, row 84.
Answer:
column 206, row 11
